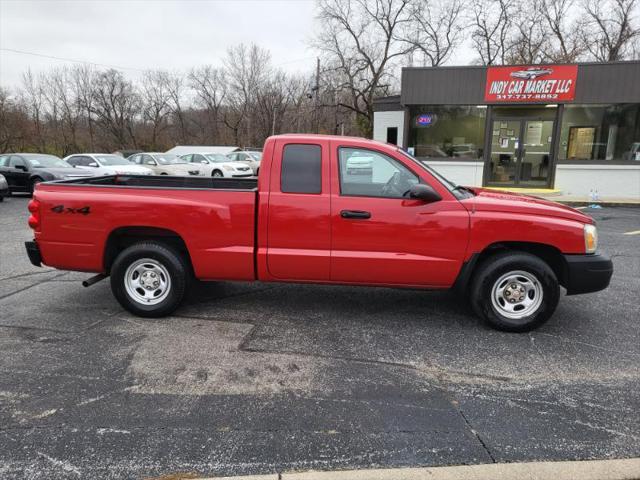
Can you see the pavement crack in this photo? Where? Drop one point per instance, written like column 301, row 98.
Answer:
column 2, row 297
column 476, row 434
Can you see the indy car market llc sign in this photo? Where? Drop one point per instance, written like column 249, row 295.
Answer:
column 540, row 83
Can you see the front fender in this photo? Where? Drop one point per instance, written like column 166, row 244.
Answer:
column 489, row 228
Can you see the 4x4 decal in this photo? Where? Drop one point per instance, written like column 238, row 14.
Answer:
column 63, row 209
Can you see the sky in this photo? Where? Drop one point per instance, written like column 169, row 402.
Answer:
column 144, row 34
column 136, row 35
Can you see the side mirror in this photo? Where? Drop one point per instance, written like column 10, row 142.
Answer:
column 203, row 162
column 93, row 164
column 424, row 193
column 21, row 167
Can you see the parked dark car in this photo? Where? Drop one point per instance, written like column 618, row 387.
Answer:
column 4, row 188
column 24, row 170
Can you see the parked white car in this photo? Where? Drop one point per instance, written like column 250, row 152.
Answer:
column 252, row 159
column 165, row 164
column 217, row 165
column 106, row 164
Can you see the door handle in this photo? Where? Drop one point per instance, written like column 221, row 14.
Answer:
column 355, row 214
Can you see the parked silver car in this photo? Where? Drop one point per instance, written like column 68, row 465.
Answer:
column 165, row 164
column 106, row 164
column 217, row 165
column 252, row 159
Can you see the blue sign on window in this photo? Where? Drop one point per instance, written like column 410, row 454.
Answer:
column 425, row 119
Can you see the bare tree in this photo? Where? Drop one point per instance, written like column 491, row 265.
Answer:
column 359, row 41
column 33, row 97
column 156, row 107
column 610, row 28
column 84, row 80
column 246, row 67
column 14, row 122
column 209, row 86
column 115, row 105
column 530, row 38
column 492, row 21
column 435, row 30
column 565, row 42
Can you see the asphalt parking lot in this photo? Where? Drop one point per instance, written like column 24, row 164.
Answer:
column 259, row 378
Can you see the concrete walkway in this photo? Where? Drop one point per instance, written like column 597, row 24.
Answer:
column 626, row 469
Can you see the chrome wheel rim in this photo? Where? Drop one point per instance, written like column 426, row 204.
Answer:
column 517, row 294
column 147, row 281
column 217, row 174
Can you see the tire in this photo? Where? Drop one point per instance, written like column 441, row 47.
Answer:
column 34, row 182
column 157, row 263
column 519, row 309
column 217, row 174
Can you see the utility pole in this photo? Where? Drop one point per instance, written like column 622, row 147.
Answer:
column 317, row 97
column 273, row 122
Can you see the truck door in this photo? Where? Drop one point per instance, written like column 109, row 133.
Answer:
column 299, row 243
column 379, row 235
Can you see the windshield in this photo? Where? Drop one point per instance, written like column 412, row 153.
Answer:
column 46, row 161
column 112, row 160
column 257, row 156
column 169, row 159
column 216, row 157
column 447, row 183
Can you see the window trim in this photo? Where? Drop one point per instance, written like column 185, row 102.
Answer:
column 284, row 146
column 420, row 180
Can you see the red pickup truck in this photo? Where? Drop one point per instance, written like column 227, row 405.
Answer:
column 325, row 209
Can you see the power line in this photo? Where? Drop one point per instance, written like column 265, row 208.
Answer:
column 117, row 67
column 64, row 59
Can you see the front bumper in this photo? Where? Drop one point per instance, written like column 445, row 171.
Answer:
column 34, row 253
column 587, row 273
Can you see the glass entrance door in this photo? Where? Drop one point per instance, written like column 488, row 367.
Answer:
column 520, row 153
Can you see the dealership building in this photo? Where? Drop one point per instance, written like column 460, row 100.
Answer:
column 570, row 130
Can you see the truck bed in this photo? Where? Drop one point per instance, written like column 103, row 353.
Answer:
column 165, row 181
column 215, row 220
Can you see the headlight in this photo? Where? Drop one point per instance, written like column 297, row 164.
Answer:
column 228, row 168
column 590, row 238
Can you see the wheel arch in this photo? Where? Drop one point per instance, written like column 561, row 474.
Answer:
column 550, row 254
column 123, row 237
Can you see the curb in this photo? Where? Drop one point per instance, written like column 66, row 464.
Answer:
column 625, row 469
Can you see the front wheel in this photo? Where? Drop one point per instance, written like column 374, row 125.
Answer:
column 515, row 291
column 217, row 174
column 149, row 279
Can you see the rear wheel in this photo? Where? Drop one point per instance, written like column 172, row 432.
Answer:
column 514, row 291
column 149, row 279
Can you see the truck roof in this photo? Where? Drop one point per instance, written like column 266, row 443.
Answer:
column 316, row 136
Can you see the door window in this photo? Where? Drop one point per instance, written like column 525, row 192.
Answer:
column 301, row 169
column 4, row 161
column 367, row 173
column 148, row 160
column 188, row 158
column 505, row 147
column 16, row 162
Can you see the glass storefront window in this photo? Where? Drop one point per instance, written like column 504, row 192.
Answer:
column 448, row 132
column 600, row 133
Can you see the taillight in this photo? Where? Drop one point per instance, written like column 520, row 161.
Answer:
column 34, row 209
